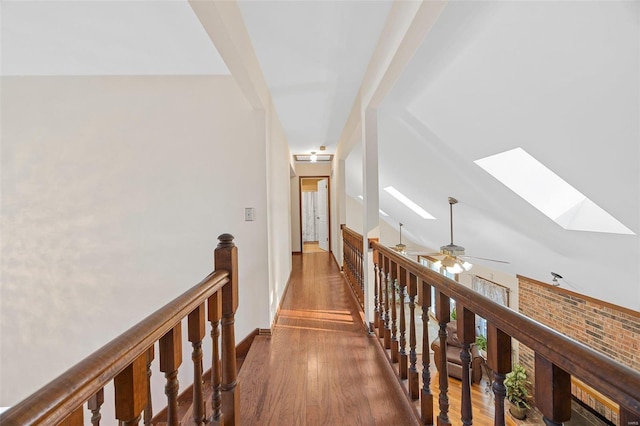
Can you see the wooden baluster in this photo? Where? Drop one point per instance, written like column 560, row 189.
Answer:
column 196, row 332
column 94, row 404
column 387, row 316
column 148, row 409
column 402, row 357
column 170, row 360
column 226, row 258
column 443, row 315
column 414, row 381
column 345, row 257
column 499, row 360
column 345, row 249
column 350, row 262
column 360, row 272
column 553, row 392
column 354, row 277
column 426, row 400
column 467, row 335
column 76, row 418
column 215, row 313
column 394, row 312
column 376, row 295
column 357, row 288
column 131, row 391
column 383, row 311
column 354, row 272
column 351, row 267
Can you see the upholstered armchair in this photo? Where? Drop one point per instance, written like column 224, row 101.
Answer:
column 454, row 364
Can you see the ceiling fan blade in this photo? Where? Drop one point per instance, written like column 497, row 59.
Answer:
column 424, row 253
column 484, row 258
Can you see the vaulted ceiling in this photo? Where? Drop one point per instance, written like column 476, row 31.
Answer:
column 558, row 79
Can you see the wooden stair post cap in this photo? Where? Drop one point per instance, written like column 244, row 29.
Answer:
column 226, row 241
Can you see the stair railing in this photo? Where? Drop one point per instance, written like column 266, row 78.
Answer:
column 557, row 357
column 352, row 263
column 126, row 361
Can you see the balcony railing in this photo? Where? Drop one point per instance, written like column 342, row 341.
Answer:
column 127, row 360
column 352, row 262
column 557, row 357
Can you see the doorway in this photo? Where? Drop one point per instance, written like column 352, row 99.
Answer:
column 314, row 214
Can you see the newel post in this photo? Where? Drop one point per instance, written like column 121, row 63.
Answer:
column 226, row 258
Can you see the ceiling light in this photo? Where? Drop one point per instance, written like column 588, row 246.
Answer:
column 549, row 193
column 455, row 267
column 407, row 202
column 313, row 157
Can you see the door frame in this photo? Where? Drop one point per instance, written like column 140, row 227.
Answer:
column 328, row 178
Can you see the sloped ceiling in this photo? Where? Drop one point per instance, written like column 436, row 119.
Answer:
column 559, row 79
column 313, row 55
column 49, row 38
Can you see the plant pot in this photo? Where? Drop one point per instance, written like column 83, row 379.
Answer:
column 519, row 413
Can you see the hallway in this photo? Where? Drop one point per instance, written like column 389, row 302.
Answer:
column 319, row 366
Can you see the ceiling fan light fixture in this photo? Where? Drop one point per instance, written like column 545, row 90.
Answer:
column 467, row 266
column 455, row 269
column 449, row 262
column 401, row 248
column 452, row 250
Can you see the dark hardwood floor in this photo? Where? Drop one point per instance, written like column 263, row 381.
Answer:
column 319, row 367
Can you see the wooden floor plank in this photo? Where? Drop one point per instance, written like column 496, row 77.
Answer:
column 319, row 366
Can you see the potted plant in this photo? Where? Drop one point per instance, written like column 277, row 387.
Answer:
column 517, row 393
column 481, row 343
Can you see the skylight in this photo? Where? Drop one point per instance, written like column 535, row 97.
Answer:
column 407, row 202
column 549, row 193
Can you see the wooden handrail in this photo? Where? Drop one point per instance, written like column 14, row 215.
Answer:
column 351, row 232
column 62, row 397
column 557, row 356
column 618, row 381
column 352, row 262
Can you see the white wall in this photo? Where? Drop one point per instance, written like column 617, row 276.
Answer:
column 303, row 170
column 354, row 213
column 114, row 190
column 338, row 207
column 279, row 205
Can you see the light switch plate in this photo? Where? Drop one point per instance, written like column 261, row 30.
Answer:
column 249, row 214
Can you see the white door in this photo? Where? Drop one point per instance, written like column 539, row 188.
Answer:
column 322, row 214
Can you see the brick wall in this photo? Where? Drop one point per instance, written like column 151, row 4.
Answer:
column 609, row 329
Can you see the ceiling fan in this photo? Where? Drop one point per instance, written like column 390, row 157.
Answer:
column 451, row 256
column 400, row 248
